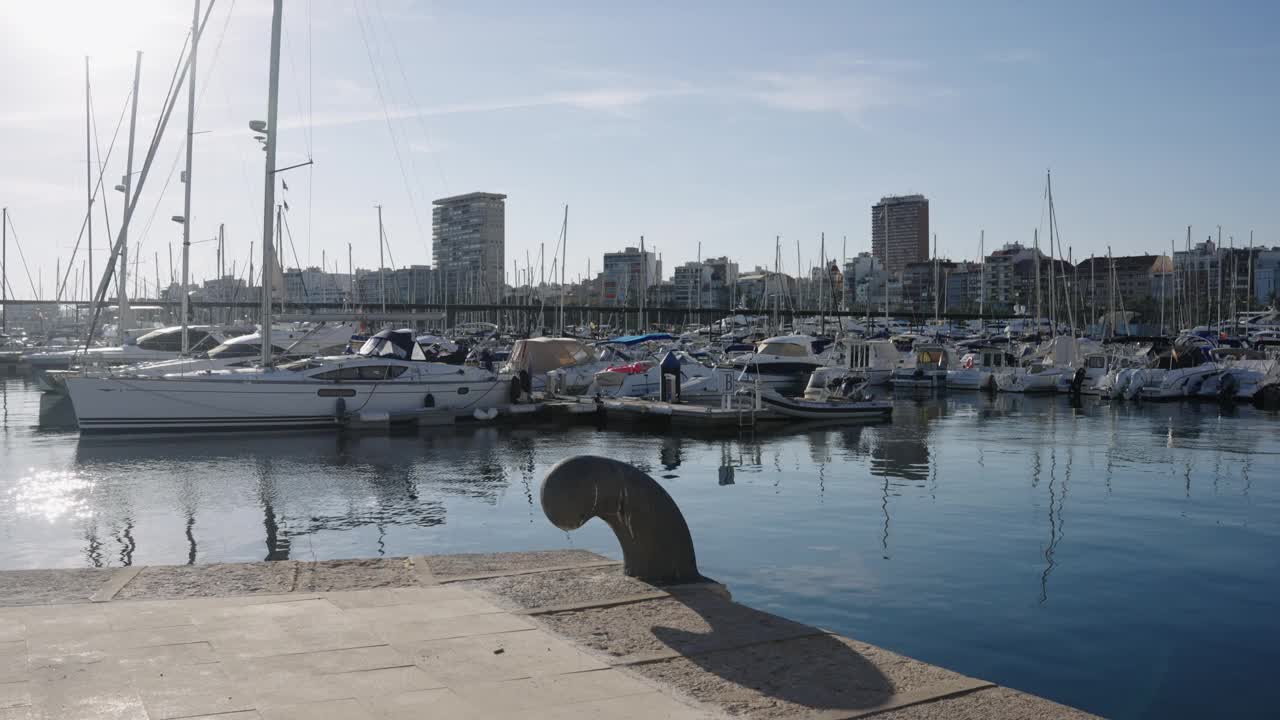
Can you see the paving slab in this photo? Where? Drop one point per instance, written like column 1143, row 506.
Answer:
column 560, row 587
column 449, row 566
column 46, row 587
column 356, row 574
column 211, row 580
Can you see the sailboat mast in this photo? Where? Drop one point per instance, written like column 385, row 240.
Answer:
column 4, row 270
column 382, row 266
column 1053, row 297
column 937, row 307
column 186, row 178
column 1217, row 254
column 564, row 260
column 123, row 261
column 644, row 283
column 1248, row 300
column 1035, row 243
column 982, row 278
column 269, row 183
column 88, row 163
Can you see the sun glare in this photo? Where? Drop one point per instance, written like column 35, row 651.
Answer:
column 93, row 27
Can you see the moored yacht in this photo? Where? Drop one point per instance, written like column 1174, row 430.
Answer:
column 979, row 368
column 237, row 352
column 162, row 344
column 785, row 361
column 928, row 371
column 388, row 375
column 873, row 360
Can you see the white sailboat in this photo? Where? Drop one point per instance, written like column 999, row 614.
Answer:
column 390, row 374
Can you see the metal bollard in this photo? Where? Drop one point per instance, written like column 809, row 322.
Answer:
column 655, row 540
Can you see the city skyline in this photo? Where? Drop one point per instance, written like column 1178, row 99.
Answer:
column 1146, row 132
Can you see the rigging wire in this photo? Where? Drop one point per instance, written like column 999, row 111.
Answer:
column 284, row 220
column 177, row 155
column 88, row 216
column 395, row 142
column 18, row 244
column 413, row 100
column 310, row 132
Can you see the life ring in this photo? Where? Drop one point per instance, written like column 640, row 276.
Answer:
column 968, row 362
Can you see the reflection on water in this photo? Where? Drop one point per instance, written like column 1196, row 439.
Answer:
column 943, row 535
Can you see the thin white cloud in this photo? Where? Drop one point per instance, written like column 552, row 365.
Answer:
column 1016, row 56
column 849, row 94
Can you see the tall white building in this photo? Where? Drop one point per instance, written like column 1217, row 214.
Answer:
column 469, row 246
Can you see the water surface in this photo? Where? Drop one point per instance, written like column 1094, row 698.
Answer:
column 1124, row 559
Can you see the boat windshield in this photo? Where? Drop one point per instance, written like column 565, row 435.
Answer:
column 227, row 351
column 783, row 349
column 398, row 344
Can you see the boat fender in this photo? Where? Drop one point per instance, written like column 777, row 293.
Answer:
column 429, row 401
column 485, row 413
column 655, row 540
column 340, row 409
column 514, row 393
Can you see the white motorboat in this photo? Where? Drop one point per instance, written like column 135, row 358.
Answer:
column 928, row 371
column 979, row 368
column 873, row 360
column 1037, row 377
column 780, row 362
column 157, row 345
column 644, row 379
column 574, row 362
column 831, row 394
column 1175, row 373
column 388, row 375
column 1083, row 377
column 294, row 343
column 1241, row 374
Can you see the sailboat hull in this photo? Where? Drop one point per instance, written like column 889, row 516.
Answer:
column 128, row 404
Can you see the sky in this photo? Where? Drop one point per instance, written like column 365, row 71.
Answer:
column 724, row 124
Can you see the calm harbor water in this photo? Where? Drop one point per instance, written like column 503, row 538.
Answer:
column 1124, row 559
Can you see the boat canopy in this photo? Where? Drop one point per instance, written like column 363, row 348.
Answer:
column 538, row 355
column 637, row 339
column 398, row 344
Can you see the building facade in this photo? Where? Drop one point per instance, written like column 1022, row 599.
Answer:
column 413, row 285
column 707, row 284
column 313, row 285
column 469, row 246
column 1266, row 277
column 628, row 273
column 1128, row 281
column 900, row 231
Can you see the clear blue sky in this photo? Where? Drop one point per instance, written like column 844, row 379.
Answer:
column 724, row 123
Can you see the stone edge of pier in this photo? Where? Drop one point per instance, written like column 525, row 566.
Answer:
column 690, row 642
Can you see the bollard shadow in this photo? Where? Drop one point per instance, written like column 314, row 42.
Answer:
column 698, row 640
column 749, row 658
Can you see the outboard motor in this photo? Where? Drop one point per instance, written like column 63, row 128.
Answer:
column 670, row 365
column 1228, row 385
column 1077, row 380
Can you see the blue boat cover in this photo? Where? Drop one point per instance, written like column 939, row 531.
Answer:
column 637, row 339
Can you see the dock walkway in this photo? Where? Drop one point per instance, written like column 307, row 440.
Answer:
column 561, row 634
